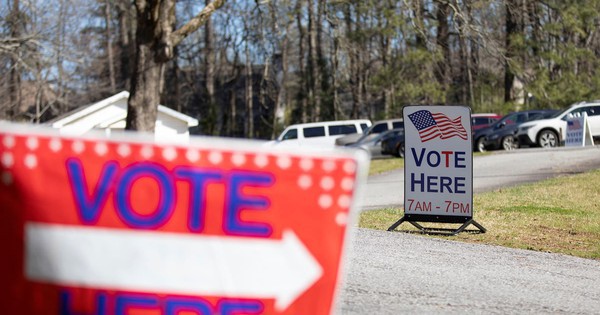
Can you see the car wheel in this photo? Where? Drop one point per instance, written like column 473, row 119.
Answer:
column 509, row 143
column 479, row 145
column 547, row 139
column 400, row 150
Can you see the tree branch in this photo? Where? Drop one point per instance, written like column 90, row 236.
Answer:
column 195, row 22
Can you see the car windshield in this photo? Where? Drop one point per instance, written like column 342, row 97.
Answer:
column 376, row 137
column 560, row 113
column 506, row 119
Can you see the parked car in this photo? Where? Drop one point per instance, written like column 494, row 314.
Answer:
column 377, row 128
column 552, row 132
column 483, row 120
column 320, row 133
column 394, row 145
column 372, row 143
column 501, row 135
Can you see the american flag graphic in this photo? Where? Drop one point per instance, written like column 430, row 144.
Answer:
column 573, row 124
column 437, row 125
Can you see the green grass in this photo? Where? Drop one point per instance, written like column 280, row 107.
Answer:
column 560, row 215
column 385, row 165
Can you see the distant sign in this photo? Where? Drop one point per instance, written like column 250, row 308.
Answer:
column 438, row 164
column 97, row 226
column 578, row 132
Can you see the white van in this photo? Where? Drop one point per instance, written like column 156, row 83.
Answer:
column 321, row 133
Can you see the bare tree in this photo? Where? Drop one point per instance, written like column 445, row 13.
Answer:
column 155, row 42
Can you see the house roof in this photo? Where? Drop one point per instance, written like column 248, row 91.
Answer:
column 89, row 109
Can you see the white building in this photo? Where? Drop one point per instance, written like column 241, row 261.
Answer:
column 109, row 114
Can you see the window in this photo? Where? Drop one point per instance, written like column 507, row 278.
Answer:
column 364, row 127
column 510, row 120
column 521, row 118
column 549, row 114
column 574, row 113
column 398, row 124
column 480, row 121
column 291, row 134
column 312, row 132
column 342, row 130
column 593, row 110
column 379, row 128
column 535, row 116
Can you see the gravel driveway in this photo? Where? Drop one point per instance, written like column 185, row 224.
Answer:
column 397, row 273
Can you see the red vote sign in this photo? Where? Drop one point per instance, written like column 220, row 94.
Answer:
column 100, row 226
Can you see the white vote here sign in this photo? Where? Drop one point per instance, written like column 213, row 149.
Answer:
column 438, row 162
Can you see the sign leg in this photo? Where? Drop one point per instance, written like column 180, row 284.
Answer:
column 395, row 225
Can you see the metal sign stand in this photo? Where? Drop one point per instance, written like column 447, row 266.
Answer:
column 439, row 231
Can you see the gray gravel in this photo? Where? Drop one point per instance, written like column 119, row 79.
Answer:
column 394, row 273
column 398, row 273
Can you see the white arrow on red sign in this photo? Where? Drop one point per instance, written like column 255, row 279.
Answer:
column 179, row 263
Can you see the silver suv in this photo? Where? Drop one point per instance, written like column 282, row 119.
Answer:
column 552, row 132
column 377, row 128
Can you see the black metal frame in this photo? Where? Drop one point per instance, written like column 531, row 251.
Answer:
column 439, row 231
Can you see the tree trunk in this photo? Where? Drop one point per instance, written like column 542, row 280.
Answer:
column 154, row 49
column 420, row 32
column 109, row 46
column 127, row 51
column 313, row 61
column 443, row 43
column 280, row 63
column 249, row 132
column 302, row 68
column 14, row 77
column 511, row 30
column 353, row 64
column 146, row 87
column 334, row 75
column 155, row 40
column 209, row 77
column 175, row 73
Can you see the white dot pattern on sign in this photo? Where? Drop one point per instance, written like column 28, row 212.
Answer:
column 55, row 145
column 238, row 159
column 147, row 152
column 341, row 219
column 101, row 148
column 327, row 183
column 328, row 166
column 261, row 161
column 169, row 154
column 306, row 164
column 344, row 201
column 284, row 162
column 304, row 181
column 7, row 178
column 325, row 201
column 192, row 155
column 124, row 150
column 349, row 167
column 32, row 143
column 347, row 183
column 9, row 141
column 78, row 146
column 30, row 161
column 215, row 157
column 7, row 159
